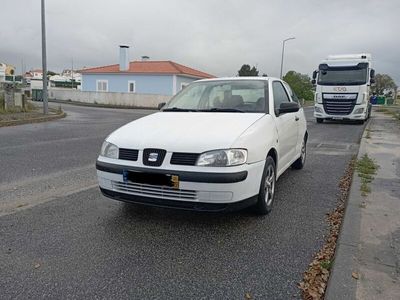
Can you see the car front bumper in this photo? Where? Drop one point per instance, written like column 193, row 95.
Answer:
column 229, row 189
column 320, row 113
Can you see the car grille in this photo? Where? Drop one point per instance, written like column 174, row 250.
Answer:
column 156, row 191
column 157, row 154
column 188, row 159
column 338, row 106
column 128, row 154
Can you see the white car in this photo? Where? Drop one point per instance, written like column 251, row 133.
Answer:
column 219, row 144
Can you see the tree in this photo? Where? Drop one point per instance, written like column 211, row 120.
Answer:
column 300, row 84
column 384, row 84
column 246, row 70
column 51, row 73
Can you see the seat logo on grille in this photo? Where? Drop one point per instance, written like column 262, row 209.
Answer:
column 153, row 157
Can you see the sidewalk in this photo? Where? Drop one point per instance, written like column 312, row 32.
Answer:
column 367, row 259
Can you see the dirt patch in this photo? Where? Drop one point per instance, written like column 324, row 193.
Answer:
column 316, row 277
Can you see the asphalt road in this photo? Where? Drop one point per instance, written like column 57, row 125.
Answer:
column 59, row 238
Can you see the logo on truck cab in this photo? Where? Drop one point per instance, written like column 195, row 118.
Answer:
column 340, row 89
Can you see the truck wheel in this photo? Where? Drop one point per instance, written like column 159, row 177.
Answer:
column 319, row 120
column 301, row 161
column 266, row 195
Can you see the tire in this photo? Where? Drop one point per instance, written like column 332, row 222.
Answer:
column 319, row 120
column 301, row 161
column 266, row 194
column 360, row 122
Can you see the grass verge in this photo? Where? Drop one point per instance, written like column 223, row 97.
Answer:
column 30, row 114
column 316, row 277
column 366, row 169
column 393, row 111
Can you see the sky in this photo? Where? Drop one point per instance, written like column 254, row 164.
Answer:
column 216, row 37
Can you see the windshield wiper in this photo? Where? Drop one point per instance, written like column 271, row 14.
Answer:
column 179, row 109
column 216, row 109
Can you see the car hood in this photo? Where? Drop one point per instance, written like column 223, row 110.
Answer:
column 194, row 132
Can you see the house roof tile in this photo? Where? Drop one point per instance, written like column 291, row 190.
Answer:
column 150, row 67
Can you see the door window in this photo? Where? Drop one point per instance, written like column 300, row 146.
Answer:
column 292, row 94
column 280, row 95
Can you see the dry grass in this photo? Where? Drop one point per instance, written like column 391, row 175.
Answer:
column 366, row 169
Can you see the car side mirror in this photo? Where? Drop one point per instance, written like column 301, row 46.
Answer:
column 161, row 105
column 313, row 81
column 372, row 81
column 288, row 107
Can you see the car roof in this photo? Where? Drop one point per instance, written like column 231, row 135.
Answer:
column 239, row 78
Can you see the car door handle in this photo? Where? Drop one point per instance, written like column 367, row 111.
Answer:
column 296, row 118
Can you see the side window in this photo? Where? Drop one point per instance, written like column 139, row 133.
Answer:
column 131, row 87
column 291, row 93
column 280, row 95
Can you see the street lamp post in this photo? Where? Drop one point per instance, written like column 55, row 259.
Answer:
column 283, row 52
column 44, row 62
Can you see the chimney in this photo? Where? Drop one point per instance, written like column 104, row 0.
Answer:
column 123, row 58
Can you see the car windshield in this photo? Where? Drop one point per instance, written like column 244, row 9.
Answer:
column 221, row 96
column 355, row 75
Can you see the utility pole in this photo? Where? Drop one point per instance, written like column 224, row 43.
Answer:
column 72, row 73
column 283, row 53
column 44, row 61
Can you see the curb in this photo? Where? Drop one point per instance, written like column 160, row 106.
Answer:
column 341, row 284
column 77, row 103
column 33, row 120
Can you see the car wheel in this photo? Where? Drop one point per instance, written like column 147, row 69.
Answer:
column 319, row 120
column 301, row 161
column 267, row 188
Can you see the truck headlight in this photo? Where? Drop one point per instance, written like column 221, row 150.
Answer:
column 109, row 150
column 318, row 109
column 222, row 158
column 359, row 111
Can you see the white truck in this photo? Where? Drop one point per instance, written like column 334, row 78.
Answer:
column 342, row 88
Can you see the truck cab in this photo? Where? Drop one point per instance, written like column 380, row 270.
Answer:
column 343, row 87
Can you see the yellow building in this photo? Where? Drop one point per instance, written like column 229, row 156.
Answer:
column 10, row 70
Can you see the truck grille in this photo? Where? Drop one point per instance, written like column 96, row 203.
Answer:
column 128, row 154
column 180, row 158
column 156, row 191
column 339, row 107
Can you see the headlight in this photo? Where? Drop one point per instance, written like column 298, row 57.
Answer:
column 318, row 109
column 359, row 111
column 223, row 158
column 109, row 150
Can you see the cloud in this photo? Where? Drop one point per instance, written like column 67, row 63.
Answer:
column 213, row 36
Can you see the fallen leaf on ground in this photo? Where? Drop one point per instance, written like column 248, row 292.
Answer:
column 37, row 266
column 355, row 275
column 316, row 276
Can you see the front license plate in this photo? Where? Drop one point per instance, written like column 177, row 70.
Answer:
column 337, row 118
column 168, row 180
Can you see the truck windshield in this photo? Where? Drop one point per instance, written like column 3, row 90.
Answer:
column 355, row 75
column 221, row 96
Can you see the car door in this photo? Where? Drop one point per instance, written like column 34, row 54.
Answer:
column 300, row 115
column 286, row 126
